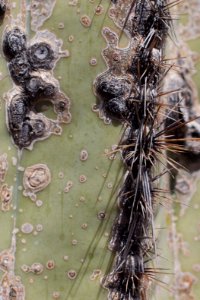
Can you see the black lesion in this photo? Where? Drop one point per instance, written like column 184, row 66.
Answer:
column 61, row 105
column 25, row 123
column 41, row 56
column 113, row 92
column 17, row 111
column 116, row 109
column 3, row 8
column 119, row 94
column 24, row 130
column 14, row 42
column 123, row 281
column 13, row 292
column 109, row 87
column 36, row 87
column 20, row 69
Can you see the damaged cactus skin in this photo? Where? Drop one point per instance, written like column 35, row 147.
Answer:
column 72, row 215
column 25, row 124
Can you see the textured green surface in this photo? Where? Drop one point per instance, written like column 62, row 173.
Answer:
column 62, row 214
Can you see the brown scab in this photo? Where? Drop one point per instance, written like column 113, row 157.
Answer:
column 25, row 268
column 7, row 260
column 72, row 274
column 50, row 265
column 83, row 155
column 93, row 61
column 82, row 178
column 184, row 283
column 99, row 10
column 3, row 167
column 85, row 21
column 118, row 61
column 119, row 12
column 37, row 268
column 61, row 25
column 6, row 197
column 11, row 287
column 101, row 215
column 36, row 178
column 84, row 226
column 96, row 273
column 95, row 108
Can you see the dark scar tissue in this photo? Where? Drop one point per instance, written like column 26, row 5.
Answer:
column 30, row 65
column 3, row 8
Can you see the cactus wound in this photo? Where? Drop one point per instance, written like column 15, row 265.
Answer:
column 11, row 286
column 36, row 178
column 31, row 70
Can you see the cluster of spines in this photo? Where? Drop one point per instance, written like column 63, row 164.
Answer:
column 141, row 147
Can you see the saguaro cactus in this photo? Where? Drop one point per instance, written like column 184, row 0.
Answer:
column 60, row 170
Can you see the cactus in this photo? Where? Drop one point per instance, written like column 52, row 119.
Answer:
column 58, row 191
column 62, row 233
